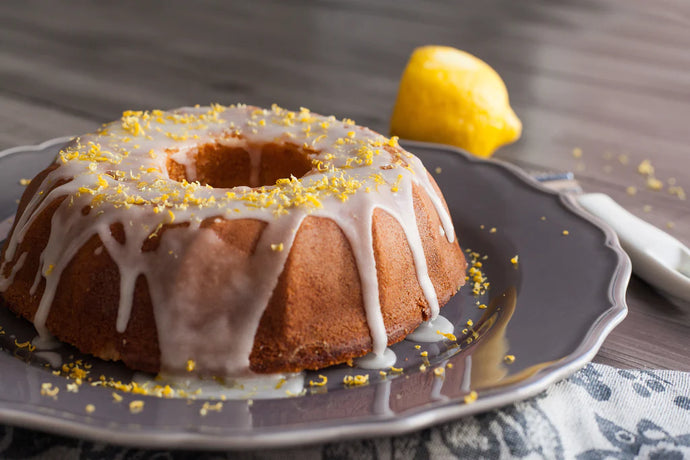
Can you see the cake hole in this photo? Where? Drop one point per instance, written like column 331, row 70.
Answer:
column 223, row 166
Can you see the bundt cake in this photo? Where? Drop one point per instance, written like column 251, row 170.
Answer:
column 235, row 238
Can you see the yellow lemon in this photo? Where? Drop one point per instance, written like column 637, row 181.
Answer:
column 449, row 96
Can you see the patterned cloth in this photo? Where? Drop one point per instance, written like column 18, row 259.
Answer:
column 599, row 413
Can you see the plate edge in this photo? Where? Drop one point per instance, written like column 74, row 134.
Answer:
column 405, row 424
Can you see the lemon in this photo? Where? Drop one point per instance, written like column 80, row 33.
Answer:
column 449, row 96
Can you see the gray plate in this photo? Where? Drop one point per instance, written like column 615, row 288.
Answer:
column 551, row 312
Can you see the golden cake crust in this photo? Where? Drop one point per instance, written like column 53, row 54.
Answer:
column 316, row 315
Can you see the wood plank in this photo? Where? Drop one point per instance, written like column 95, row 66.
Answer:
column 25, row 123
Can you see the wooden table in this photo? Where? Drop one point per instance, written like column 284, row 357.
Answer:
column 611, row 78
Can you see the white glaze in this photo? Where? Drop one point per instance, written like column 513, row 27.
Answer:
column 266, row 386
column 428, row 331
column 51, row 357
column 382, row 398
column 5, row 282
column 437, row 385
column 466, row 384
column 5, row 227
column 254, row 165
column 377, row 361
column 138, row 146
column 45, row 342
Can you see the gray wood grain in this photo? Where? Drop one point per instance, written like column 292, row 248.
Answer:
column 610, row 77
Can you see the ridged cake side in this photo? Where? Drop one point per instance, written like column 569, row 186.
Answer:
column 134, row 246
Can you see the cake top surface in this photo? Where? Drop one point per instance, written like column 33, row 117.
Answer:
column 126, row 159
column 120, row 175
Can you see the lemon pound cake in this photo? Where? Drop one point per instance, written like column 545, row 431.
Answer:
column 242, row 239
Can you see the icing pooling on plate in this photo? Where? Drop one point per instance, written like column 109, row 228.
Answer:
column 256, row 386
column 377, row 361
column 120, row 175
column 432, row 330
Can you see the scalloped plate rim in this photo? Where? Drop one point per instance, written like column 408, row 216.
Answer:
column 381, row 425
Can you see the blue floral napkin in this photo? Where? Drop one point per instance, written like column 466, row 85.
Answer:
column 598, row 413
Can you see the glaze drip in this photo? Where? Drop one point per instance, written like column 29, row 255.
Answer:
column 120, row 175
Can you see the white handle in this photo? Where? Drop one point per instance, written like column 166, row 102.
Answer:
column 656, row 256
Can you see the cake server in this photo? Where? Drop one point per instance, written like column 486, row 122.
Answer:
column 657, row 257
